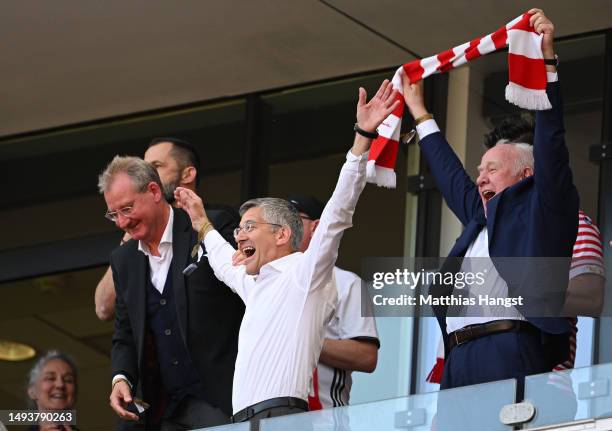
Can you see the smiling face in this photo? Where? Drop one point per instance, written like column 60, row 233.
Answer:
column 498, row 170
column 148, row 217
column 55, row 388
column 264, row 243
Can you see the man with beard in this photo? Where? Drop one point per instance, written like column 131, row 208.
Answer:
column 177, row 164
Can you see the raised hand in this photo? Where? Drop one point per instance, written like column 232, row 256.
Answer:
column 414, row 97
column 372, row 113
column 543, row 25
column 238, row 257
column 193, row 206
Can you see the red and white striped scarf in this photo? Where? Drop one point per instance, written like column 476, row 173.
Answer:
column 527, row 86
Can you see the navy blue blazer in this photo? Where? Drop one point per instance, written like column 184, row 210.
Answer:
column 536, row 217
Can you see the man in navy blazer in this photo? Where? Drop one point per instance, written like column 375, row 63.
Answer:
column 523, row 205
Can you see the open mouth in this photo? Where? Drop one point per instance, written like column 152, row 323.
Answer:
column 248, row 251
column 487, row 195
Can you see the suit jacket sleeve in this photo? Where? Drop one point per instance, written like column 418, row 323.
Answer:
column 124, row 356
column 553, row 176
column 459, row 191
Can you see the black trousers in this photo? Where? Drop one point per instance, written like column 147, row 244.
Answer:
column 193, row 413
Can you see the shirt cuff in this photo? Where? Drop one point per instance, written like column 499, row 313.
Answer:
column 552, row 76
column 350, row 157
column 587, row 269
column 121, row 377
column 426, row 128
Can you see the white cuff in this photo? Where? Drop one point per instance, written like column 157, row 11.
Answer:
column 350, row 157
column 588, row 268
column 121, row 377
column 426, row 128
column 552, row 76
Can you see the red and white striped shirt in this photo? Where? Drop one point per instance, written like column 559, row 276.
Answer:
column 587, row 258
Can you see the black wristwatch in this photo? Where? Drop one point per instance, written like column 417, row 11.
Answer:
column 365, row 134
column 552, row 61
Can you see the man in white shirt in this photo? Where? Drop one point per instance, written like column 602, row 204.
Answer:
column 287, row 293
column 351, row 340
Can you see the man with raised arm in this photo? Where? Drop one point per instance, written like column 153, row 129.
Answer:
column 288, row 297
column 523, row 205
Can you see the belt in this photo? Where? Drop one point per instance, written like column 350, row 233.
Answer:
column 249, row 412
column 471, row 332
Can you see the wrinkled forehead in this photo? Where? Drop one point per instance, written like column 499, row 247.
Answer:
column 122, row 192
column 498, row 155
column 253, row 214
column 57, row 366
column 121, row 185
column 161, row 153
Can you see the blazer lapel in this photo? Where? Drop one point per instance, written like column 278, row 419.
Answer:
column 182, row 242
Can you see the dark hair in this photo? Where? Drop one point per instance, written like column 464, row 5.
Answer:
column 183, row 152
column 513, row 129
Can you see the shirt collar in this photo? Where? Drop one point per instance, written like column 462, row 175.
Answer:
column 280, row 264
column 166, row 236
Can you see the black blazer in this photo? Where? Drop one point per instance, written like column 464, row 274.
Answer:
column 209, row 312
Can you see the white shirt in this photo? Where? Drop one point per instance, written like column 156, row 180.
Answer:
column 159, row 265
column 289, row 303
column 335, row 384
column 494, row 286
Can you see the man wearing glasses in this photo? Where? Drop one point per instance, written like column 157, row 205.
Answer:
column 177, row 164
column 288, row 297
column 175, row 337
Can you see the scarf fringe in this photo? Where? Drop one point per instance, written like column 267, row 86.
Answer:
column 527, row 98
column 381, row 176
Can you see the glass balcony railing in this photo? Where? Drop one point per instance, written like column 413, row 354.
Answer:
column 560, row 397
column 244, row 426
column 550, row 399
column 467, row 408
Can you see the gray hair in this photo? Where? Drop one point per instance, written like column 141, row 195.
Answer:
column 524, row 155
column 36, row 370
column 279, row 211
column 140, row 172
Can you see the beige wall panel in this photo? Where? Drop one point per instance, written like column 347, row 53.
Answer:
column 68, row 61
column 429, row 27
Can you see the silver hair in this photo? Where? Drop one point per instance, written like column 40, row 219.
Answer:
column 524, row 155
column 36, row 370
column 279, row 211
column 140, row 172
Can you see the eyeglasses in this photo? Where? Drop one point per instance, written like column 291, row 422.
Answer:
column 125, row 212
column 250, row 225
